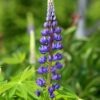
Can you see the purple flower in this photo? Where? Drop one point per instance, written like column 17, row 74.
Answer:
column 58, row 46
column 57, row 37
column 43, row 40
column 44, row 49
column 49, row 18
column 50, row 58
column 51, row 31
column 54, row 23
column 56, row 86
column 56, row 77
column 45, row 32
column 57, row 56
column 58, row 30
column 52, row 95
column 42, row 60
column 37, row 93
column 53, row 46
column 50, row 89
column 53, row 69
column 40, row 82
column 42, row 70
column 47, row 25
column 58, row 65
column 49, row 39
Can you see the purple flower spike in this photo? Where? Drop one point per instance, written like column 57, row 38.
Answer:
column 40, row 82
column 50, row 43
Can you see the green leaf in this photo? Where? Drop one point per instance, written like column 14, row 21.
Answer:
column 6, row 86
column 70, row 30
column 16, row 58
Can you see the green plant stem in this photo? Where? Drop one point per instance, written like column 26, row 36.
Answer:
column 49, row 74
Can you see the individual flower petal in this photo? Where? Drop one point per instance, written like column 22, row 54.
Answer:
column 49, row 39
column 37, row 93
column 40, row 82
column 58, row 46
column 50, row 58
column 54, row 18
column 45, row 69
column 50, row 89
column 57, row 56
column 42, row 70
column 53, row 46
column 43, row 40
column 56, row 86
column 54, row 23
column 58, row 30
column 47, row 25
column 49, row 18
column 58, row 65
column 52, row 95
column 45, row 32
column 56, row 77
column 57, row 37
column 43, row 49
column 42, row 60
column 51, row 31
column 53, row 69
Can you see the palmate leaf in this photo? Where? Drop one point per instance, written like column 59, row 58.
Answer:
column 12, row 91
column 6, row 86
column 91, row 85
column 66, row 94
column 21, row 85
column 70, row 30
column 22, row 91
column 16, row 58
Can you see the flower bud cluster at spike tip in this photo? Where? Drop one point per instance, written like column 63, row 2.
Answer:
column 50, row 43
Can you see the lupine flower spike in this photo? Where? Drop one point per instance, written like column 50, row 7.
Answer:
column 50, row 43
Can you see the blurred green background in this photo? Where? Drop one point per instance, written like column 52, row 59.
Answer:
column 81, row 52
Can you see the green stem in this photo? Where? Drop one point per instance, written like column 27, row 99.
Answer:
column 49, row 74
